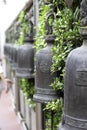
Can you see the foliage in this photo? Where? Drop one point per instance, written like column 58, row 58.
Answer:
column 66, row 27
column 40, row 37
column 54, row 108
column 23, row 28
column 57, row 84
column 27, row 85
column 31, row 103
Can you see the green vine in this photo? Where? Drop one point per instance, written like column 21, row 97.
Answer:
column 66, row 30
column 40, row 37
column 27, row 86
column 66, row 27
column 23, row 28
column 56, row 109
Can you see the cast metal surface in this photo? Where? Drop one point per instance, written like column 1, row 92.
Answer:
column 15, row 51
column 43, row 79
column 83, row 13
column 8, row 51
column 69, row 2
column 75, row 82
column 75, row 88
column 5, row 50
column 25, row 59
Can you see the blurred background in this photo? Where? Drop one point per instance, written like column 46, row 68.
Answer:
column 8, row 11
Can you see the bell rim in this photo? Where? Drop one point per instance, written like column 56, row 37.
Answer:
column 44, row 98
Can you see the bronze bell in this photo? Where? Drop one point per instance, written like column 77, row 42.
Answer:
column 10, row 54
column 69, row 2
column 75, row 85
column 25, row 60
column 7, row 51
column 15, row 51
column 43, row 79
column 75, row 88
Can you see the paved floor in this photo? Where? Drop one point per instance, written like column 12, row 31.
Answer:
column 8, row 118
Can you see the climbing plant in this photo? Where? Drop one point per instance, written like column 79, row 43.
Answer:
column 27, row 86
column 66, row 30
column 23, row 28
column 40, row 37
column 66, row 27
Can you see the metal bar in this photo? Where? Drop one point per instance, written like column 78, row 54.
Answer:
column 43, row 118
column 52, row 114
column 36, row 14
column 38, row 117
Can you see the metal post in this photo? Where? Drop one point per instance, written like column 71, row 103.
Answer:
column 17, row 95
column 38, row 117
column 52, row 113
column 36, row 14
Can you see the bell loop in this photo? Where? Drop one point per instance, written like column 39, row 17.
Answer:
column 49, row 23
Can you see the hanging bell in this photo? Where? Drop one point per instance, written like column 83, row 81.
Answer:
column 25, row 60
column 43, row 79
column 75, row 88
column 8, row 51
column 5, row 50
column 69, row 3
column 15, row 51
column 10, row 54
column 25, row 56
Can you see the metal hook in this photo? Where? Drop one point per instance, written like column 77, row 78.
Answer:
column 48, row 26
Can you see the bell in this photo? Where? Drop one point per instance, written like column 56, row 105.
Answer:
column 7, row 51
column 75, row 88
column 10, row 51
column 44, row 77
column 15, row 51
column 25, row 60
column 69, row 3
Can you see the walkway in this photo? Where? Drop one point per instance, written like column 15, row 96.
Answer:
column 8, row 118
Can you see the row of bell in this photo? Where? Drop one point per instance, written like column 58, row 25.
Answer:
column 23, row 62
column 75, row 81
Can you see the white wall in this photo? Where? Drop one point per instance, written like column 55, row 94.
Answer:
column 8, row 12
